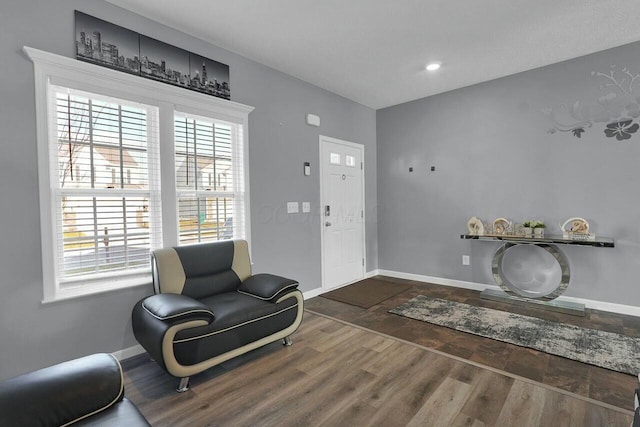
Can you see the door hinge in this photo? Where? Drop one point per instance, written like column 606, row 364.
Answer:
column 361, row 214
column 361, row 166
column 363, row 262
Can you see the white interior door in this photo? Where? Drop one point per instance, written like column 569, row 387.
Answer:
column 342, row 190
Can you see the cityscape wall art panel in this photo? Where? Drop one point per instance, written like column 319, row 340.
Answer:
column 102, row 43
column 163, row 62
column 209, row 76
column 106, row 44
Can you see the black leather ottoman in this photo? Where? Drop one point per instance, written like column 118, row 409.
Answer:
column 84, row 392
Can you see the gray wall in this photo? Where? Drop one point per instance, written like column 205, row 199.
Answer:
column 34, row 335
column 495, row 157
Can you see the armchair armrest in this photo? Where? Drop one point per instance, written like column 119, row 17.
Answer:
column 63, row 393
column 176, row 308
column 267, row 286
column 155, row 316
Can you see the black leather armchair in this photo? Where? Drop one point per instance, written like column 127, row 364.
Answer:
column 209, row 308
column 83, row 392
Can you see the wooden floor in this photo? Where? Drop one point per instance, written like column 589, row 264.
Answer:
column 337, row 374
column 590, row 381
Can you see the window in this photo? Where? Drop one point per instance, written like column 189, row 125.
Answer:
column 127, row 165
column 102, row 216
column 208, row 210
column 335, row 159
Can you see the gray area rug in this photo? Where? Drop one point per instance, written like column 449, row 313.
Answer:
column 605, row 349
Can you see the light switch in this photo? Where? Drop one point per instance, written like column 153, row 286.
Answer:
column 293, row 207
column 306, row 207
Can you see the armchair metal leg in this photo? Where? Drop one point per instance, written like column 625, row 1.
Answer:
column 184, row 385
column 286, row 341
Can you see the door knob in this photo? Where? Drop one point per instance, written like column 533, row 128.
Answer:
column 327, row 224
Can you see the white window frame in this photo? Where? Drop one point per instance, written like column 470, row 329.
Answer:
column 52, row 69
column 238, row 192
column 152, row 192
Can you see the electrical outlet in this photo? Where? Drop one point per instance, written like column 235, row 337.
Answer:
column 466, row 260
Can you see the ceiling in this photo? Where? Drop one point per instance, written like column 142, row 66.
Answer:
column 374, row 51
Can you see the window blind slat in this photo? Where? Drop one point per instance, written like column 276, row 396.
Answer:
column 205, row 170
column 107, row 217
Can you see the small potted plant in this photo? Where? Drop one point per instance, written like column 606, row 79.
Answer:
column 538, row 228
column 526, row 227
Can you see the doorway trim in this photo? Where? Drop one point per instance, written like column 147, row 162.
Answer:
column 322, row 140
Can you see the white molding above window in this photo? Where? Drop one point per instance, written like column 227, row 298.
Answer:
column 51, row 69
column 73, row 73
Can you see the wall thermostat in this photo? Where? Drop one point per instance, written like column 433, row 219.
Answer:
column 313, row 120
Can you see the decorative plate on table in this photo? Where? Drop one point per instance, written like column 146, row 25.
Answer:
column 501, row 226
column 576, row 228
column 475, row 226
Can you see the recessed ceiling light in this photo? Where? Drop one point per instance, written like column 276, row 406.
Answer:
column 433, row 66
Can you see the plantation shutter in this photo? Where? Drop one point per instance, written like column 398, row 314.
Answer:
column 105, row 178
column 210, row 186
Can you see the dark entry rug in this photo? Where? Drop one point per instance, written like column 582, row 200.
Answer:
column 605, row 349
column 366, row 293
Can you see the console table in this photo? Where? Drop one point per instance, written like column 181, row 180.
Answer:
column 540, row 284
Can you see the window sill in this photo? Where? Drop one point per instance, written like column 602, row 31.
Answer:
column 67, row 292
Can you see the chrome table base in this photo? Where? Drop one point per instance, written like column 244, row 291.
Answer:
column 526, row 283
column 566, row 307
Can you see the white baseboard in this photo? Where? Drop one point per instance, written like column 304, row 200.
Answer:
column 312, row 293
column 604, row 306
column 438, row 280
column 592, row 304
column 317, row 291
column 128, row 352
column 371, row 273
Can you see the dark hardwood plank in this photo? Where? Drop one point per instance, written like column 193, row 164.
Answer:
column 488, row 397
column 337, row 374
column 589, row 381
